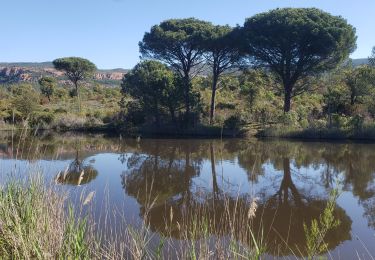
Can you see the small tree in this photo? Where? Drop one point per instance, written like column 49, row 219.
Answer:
column 153, row 85
column 25, row 101
column 76, row 70
column 47, row 86
column 221, row 54
column 358, row 81
column 251, row 82
column 336, row 100
column 295, row 43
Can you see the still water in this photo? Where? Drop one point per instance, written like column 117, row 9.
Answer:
column 290, row 180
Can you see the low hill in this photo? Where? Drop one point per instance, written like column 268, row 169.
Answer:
column 15, row 72
column 358, row 62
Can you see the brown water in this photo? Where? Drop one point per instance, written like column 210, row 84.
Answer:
column 290, row 180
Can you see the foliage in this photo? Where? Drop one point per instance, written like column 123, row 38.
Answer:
column 76, row 70
column 233, row 122
column 316, row 232
column 34, row 225
column 221, row 55
column 154, row 86
column 47, row 86
column 132, row 114
column 359, row 82
column 41, row 119
column 336, row 99
column 25, row 101
column 178, row 43
column 296, row 43
column 251, row 83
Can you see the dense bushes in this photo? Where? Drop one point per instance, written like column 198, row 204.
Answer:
column 41, row 119
column 250, row 97
column 25, row 104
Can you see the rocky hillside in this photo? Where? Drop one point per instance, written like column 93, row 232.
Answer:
column 31, row 72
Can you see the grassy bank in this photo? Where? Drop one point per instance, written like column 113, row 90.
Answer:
column 365, row 133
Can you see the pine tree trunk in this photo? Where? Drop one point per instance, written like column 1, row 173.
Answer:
column 213, row 95
column 287, row 98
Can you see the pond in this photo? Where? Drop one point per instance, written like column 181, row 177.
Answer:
column 290, row 181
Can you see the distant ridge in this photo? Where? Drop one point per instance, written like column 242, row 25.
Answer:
column 14, row 72
column 358, row 62
column 48, row 64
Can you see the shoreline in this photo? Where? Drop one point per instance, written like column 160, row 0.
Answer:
column 215, row 132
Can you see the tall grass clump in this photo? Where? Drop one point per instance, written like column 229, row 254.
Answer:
column 34, row 223
column 317, row 231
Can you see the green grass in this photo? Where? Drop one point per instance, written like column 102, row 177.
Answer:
column 34, row 224
column 365, row 133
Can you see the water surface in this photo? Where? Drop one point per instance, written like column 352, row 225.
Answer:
column 290, row 180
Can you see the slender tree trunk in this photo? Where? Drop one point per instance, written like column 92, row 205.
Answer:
column 157, row 115
column 173, row 115
column 187, row 97
column 329, row 115
column 287, row 98
column 78, row 96
column 213, row 95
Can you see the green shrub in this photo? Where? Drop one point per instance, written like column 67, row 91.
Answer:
column 41, row 119
column 356, row 122
column 134, row 113
column 69, row 121
column 289, row 119
column 25, row 100
column 318, row 124
column 233, row 122
column 339, row 121
column 60, row 110
column 61, row 93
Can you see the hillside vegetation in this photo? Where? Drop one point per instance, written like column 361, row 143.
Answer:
column 274, row 76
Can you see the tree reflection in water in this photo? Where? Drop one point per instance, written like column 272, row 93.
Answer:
column 163, row 173
column 77, row 173
column 291, row 179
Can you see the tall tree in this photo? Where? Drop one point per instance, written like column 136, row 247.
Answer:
column 296, row 43
column 221, row 54
column 76, row 70
column 178, row 43
column 47, row 86
column 152, row 84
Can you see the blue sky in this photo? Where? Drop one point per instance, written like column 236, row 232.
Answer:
column 108, row 31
